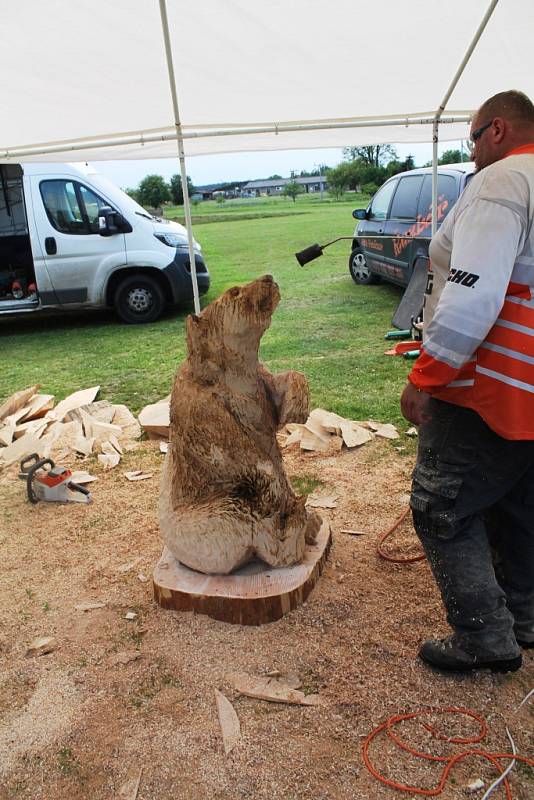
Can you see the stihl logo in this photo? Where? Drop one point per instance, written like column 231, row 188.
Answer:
column 461, row 276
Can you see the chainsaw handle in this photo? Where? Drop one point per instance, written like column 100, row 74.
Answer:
column 30, row 472
column 33, row 459
column 75, row 487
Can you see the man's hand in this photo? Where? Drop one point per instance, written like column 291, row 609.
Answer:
column 414, row 405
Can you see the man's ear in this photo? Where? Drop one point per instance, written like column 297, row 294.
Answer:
column 499, row 127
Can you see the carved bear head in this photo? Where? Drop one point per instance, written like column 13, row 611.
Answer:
column 235, row 322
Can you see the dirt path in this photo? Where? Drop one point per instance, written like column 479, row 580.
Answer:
column 79, row 722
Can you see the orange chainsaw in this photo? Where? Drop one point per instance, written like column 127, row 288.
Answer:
column 53, row 485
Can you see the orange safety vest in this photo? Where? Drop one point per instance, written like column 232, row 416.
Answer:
column 498, row 381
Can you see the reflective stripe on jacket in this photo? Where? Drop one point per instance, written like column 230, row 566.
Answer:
column 479, row 345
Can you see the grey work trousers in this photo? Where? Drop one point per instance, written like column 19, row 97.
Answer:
column 473, row 510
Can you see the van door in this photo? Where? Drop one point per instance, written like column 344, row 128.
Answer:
column 78, row 260
column 402, row 223
column 377, row 251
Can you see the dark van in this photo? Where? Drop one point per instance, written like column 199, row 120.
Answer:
column 402, row 207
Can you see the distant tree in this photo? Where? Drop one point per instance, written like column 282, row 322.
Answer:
column 376, row 155
column 153, row 191
column 339, row 179
column 274, row 178
column 315, row 172
column 292, row 189
column 395, row 166
column 133, row 193
column 175, row 186
column 450, row 157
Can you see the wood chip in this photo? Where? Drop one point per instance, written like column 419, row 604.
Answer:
column 142, row 578
column 36, row 427
column 124, row 418
column 353, row 434
column 16, row 417
column 101, row 431
column 83, row 445
column 295, row 436
column 89, row 606
column 229, row 722
column 349, row 532
column 130, row 615
column 101, row 410
column 163, row 447
column 108, row 460
column 322, row 498
column 310, row 441
column 274, row 690
column 138, row 475
column 75, row 400
column 124, row 568
column 41, row 646
column 129, row 790
column 38, row 406
column 20, row 448
column 6, row 435
column 16, row 401
column 155, row 419
column 412, row 432
column 124, row 657
column 66, row 434
column 328, row 420
column 386, row 430
column 475, row 786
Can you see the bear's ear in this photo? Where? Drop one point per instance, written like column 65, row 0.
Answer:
column 194, row 325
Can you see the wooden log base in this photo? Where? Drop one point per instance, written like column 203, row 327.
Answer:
column 253, row 595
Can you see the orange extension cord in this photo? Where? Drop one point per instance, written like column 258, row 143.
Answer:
column 449, row 761
column 390, row 531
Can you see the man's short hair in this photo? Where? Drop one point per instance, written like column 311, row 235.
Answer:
column 512, row 105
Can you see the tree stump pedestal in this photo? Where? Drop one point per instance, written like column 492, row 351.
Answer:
column 252, row 595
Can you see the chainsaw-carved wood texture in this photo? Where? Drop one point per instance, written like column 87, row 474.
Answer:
column 225, row 497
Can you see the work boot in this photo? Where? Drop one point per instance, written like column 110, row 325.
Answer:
column 447, row 654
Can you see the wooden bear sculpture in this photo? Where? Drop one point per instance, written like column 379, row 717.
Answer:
column 225, row 497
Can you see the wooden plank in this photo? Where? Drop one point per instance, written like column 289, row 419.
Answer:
column 38, row 406
column 155, row 419
column 16, row 401
column 228, row 720
column 253, row 595
column 75, row 400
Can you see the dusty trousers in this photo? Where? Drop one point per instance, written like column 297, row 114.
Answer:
column 473, row 509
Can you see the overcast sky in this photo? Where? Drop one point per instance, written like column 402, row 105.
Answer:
column 245, row 166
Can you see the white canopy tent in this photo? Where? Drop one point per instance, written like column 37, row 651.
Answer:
column 84, row 81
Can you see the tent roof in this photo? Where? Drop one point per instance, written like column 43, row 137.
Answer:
column 84, row 73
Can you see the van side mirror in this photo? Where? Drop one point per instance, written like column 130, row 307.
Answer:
column 111, row 221
column 359, row 213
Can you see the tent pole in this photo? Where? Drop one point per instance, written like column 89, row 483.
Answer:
column 181, row 152
column 144, row 138
column 442, row 105
column 435, row 138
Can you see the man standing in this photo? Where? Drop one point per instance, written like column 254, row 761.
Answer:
column 471, row 391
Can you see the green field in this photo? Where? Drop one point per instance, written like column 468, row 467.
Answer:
column 325, row 325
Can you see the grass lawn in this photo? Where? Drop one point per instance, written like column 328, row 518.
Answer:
column 325, row 325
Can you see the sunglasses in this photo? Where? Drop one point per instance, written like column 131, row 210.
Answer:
column 475, row 136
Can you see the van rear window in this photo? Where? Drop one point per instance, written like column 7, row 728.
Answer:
column 404, row 204
column 447, row 196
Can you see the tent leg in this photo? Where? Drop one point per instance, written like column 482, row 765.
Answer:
column 435, row 139
column 181, row 152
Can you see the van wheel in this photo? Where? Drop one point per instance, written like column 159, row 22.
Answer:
column 359, row 271
column 139, row 298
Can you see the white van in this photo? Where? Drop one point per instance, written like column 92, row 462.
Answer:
column 71, row 239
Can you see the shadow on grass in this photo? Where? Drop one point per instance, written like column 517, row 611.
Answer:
column 64, row 321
